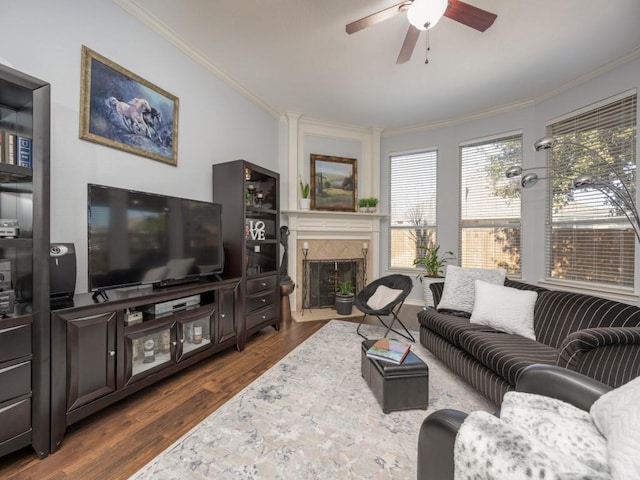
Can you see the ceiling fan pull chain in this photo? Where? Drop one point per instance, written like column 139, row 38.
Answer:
column 426, row 60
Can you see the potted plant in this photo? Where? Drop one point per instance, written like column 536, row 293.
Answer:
column 372, row 203
column 363, row 203
column 305, row 201
column 433, row 263
column 344, row 298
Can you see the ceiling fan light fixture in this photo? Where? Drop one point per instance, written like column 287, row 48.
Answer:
column 424, row 14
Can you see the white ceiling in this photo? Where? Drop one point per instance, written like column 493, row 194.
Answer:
column 294, row 55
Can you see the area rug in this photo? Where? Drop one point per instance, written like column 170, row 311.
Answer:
column 312, row 416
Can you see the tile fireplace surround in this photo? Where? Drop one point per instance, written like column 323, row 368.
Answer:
column 330, row 236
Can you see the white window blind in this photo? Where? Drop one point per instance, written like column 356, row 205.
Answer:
column 490, row 205
column 413, row 205
column 589, row 237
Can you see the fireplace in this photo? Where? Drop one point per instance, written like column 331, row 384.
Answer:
column 334, row 237
column 321, row 277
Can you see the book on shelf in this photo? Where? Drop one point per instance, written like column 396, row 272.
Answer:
column 389, row 350
column 23, row 152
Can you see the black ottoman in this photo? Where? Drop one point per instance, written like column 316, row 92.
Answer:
column 396, row 387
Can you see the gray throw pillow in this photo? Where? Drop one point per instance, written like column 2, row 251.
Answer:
column 459, row 287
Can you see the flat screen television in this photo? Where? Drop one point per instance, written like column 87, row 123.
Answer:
column 138, row 238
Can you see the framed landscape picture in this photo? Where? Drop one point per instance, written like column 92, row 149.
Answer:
column 122, row 110
column 334, row 183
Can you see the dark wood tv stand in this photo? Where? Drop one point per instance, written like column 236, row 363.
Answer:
column 98, row 357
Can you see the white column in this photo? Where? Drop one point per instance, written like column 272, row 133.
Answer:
column 293, row 120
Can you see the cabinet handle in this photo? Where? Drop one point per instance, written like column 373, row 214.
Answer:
column 112, row 353
column 182, row 340
column 264, row 317
column 263, row 284
column 174, row 343
column 222, row 315
column 263, row 300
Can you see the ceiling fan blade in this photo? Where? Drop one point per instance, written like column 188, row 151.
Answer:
column 377, row 17
column 469, row 15
column 409, row 44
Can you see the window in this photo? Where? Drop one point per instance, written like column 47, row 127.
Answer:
column 413, row 205
column 589, row 239
column 490, row 204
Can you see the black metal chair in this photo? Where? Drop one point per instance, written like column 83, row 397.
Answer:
column 395, row 282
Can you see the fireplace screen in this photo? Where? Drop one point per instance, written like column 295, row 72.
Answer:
column 321, row 279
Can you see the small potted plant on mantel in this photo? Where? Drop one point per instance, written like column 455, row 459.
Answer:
column 362, row 205
column 344, row 298
column 433, row 264
column 305, row 201
column 372, row 204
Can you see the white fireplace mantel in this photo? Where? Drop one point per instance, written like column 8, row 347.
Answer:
column 327, row 226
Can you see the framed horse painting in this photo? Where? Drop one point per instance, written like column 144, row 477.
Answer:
column 122, row 110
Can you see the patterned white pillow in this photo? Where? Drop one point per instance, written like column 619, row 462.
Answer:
column 504, row 308
column 617, row 416
column 459, row 287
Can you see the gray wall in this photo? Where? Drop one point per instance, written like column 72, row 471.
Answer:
column 531, row 120
column 43, row 38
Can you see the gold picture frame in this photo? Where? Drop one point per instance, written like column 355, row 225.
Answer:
column 122, row 110
column 334, row 183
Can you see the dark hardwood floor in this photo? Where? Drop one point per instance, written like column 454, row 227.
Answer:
column 114, row 443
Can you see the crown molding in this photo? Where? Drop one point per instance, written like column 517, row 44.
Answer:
column 142, row 14
column 629, row 57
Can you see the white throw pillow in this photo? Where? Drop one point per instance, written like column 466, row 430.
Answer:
column 617, row 416
column 459, row 286
column 504, row 308
column 382, row 297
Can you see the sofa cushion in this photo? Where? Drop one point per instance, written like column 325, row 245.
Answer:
column 448, row 326
column 505, row 354
column 559, row 313
column 436, row 291
column 459, row 287
column 504, row 308
column 524, row 286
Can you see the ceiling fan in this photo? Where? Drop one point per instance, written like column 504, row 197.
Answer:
column 423, row 15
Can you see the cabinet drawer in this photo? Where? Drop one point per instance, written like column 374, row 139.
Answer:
column 256, row 285
column 260, row 301
column 15, row 342
column 15, row 419
column 261, row 317
column 15, row 380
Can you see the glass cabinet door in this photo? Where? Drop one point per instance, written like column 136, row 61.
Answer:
column 149, row 347
column 195, row 331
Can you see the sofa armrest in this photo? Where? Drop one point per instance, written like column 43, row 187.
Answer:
column 566, row 385
column 435, row 444
column 608, row 354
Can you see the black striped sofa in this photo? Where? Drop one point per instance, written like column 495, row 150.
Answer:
column 597, row 337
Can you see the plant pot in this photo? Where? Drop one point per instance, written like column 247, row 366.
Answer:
column 426, row 290
column 305, row 203
column 344, row 304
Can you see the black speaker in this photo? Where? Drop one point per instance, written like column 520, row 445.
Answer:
column 62, row 271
